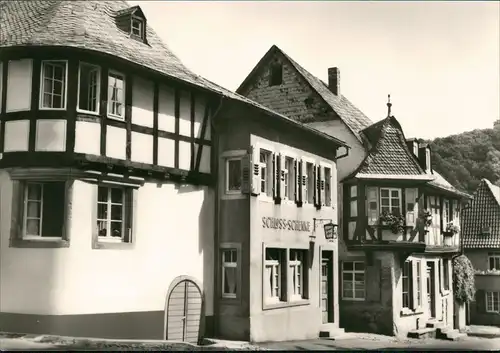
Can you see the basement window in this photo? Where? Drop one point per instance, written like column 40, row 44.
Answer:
column 276, row 74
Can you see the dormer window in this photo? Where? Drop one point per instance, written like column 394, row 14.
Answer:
column 137, row 27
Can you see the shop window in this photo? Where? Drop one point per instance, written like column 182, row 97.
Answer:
column 233, row 175
column 493, row 302
column 114, row 213
column 353, row 280
column 89, row 84
column 275, row 276
column 53, row 84
column 116, row 95
column 229, row 273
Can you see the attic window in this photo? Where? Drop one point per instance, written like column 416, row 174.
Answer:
column 276, row 74
column 137, row 27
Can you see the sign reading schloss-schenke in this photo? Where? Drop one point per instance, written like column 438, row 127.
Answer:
column 286, row 224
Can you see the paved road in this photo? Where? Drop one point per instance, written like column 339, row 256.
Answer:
column 9, row 344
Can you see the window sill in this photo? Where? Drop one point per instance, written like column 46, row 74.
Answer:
column 354, row 299
column 112, row 245
column 411, row 312
column 54, row 109
column 289, row 304
column 115, row 117
column 233, row 196
column 87, row 112
column 52, row 243
column 265, row 198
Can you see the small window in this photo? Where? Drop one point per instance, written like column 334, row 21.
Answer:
column 53, row 85
column 289, row 178
column 390, row 200
column 310, row 183
column 354, row 208
column 407, row 284
column 89, row 83
column 275, row 276
column 137, row 27
column 44, row 208
column 116, row 95
column 265, row 172
column 493, row 302
column 276, row 74
column 354, row 190
column 229, row 273
column 328, row 187
column 233, row 175
column 494, row 261
column 113, row 213
column 298, row 274
column 353, row 280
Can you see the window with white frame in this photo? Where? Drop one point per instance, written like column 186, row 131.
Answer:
column 494, row 261
column 390, row 200
column 53, row 85
column 328, row 187
column 233, row 175
column 89, row 83
column 229, row 273
column 116, row 95
column 406, row 279
column 113, row 212
column 297, row 263
column 353, row 280
column 265, row 172
column 44, row 209
column 289, row 178
column 310, row 183
column 493, row 302
column 137, row 27
column 274, row 276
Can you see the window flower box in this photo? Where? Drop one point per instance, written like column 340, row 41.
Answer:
column 451, row 229
column 396, row 223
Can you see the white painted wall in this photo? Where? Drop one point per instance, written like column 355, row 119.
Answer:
column 19, row 78
column 174, row 236
column 166, row 108
column 50, row 135
column 88, row 137
column 142, row 102
column 16, row 136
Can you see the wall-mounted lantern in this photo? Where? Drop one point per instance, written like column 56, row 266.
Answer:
column 330, row 231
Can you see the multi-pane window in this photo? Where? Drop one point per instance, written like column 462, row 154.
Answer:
column 296, row 263
column 353, row 280
column 116, row 95
column 112, row 205
column 274, row 275
column 233, row 175
column 89, row 88
column 265, row 177
column 406, row 279
column 494, row 261
column 390, row 200
column 44, row 207
column 137, row 27
column 310, row 183
column 288, row 178
column 229, row 273
column 493, row 302
column 53, row 85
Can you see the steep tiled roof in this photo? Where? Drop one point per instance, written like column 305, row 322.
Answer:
column 484, row 211
column 91, row 25
column 350, row 115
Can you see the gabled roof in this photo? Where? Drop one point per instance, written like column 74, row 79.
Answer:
column 130, row 11
column 484, row 211
column 389, row 156
column 91, row 25
column 348, row 113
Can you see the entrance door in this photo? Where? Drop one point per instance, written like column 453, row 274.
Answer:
column 430, row 290
column 184, row 312
column 327, row 297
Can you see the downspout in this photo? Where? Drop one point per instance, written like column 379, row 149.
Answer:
column 215, row 154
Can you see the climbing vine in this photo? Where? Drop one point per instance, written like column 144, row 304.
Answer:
column 463, row 279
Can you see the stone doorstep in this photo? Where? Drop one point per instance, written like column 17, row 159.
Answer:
column 427, row 332
column 332, row 332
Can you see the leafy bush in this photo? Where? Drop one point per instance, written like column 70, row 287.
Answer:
column 463, row 280
column 395, row 222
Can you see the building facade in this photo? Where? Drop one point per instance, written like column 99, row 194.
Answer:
column 481, row 240
column 409, row 266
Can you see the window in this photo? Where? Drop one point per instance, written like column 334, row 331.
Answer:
column 298, row 282
column 289, row 178
column 229, row 273
column 137, row 27
column 494, row 260
column 233, row 175
column 390, row 200
column 276, row 74
column 310, row 183
column 113, row 214
column 116, row 95
column 328, row 187
column 44, row 209
column 407, row 281
column 53, row 85
column 446, row 274
column 493, row 302
column 274, row 276
column 447, row 214
column 353, row 280
column 419, row 284
column 89, row 82
column 265, row 171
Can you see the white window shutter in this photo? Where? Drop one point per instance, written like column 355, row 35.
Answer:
column 255, row 185
column 282, row 166
column 411, row 200
column 303, row 185
column 372, row 205
column 322, row 186
column 296, row 165
column 246, row 171
column 413, row 284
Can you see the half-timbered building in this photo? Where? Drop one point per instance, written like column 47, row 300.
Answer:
column 397, row 215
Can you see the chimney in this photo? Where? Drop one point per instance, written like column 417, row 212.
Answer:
column 334, row 80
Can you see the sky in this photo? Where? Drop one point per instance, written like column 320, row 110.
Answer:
column 439, row 61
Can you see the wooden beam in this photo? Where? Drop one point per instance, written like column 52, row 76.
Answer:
column 206, row 118
column 71, row 105
column 156, row 99
column 3, row 100
column 177, row 127
column 35, row 101
column 128, row 115
column 192, row 159
column 103, row 108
